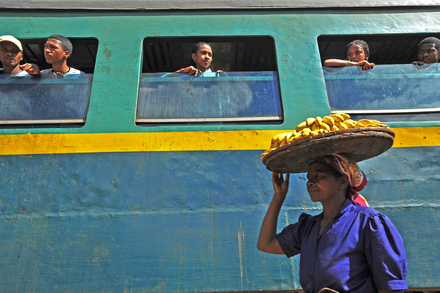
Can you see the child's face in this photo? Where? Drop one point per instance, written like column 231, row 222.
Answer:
column 53, row 51
column 356, row 53
column 428, row 53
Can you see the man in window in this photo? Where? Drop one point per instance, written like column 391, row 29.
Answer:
column 11, row 53
column 57, row 50
column 429, row 51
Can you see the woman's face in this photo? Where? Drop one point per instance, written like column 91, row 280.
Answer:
column 356, row 53
column 322, row 184
column 203, row 58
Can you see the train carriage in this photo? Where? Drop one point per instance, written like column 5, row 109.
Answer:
column 136, row 179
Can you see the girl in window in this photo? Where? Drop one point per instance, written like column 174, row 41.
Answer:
column 357, row 54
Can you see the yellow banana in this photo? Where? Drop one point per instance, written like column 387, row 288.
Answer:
column 315, row 127
column 306, row 130
column 345, row 116
column 279, row 137
column 318, row 120
column 310, row 121
column 284, row 136
column 275, row 138
column 335, row 128
column 337, row 117
column 340, row 125
column 348, row 123
column 364, row 123
column 325, row 126
column 291, row 136
column 301, row 126
column 329, row 120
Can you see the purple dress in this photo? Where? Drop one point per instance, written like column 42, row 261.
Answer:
column 359, row 251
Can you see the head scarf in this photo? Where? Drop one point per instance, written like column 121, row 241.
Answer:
column 356, row 178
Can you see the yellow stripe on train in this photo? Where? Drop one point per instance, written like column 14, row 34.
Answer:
column 20, row 144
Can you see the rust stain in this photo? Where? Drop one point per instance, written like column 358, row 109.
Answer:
column 108, row 53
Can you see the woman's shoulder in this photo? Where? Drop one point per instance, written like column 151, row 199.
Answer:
column 305, row 218
column 368, row 212
column 305, row 221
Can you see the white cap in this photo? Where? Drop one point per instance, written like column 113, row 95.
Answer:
column 8, row 38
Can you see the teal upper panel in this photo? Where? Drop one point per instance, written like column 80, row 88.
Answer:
column 117, row 73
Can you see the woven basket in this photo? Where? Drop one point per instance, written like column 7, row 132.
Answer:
column 356, row 143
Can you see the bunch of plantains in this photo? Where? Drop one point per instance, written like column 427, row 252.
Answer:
column 315, row 126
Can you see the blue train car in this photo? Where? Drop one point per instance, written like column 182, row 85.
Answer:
column 135, row 179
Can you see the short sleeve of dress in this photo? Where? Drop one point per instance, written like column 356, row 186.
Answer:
column 290, row 237
column 385, row 253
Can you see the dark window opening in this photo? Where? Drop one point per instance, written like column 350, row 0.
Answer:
column 48, row 101
column 384, row 49
column 229, row 53
column 83, row 56
column 245, row 92
column 393, row 91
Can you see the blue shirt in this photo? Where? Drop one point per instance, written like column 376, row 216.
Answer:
column 360, row 250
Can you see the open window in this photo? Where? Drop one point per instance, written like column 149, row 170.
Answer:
column 246, row 91
column 49, row 100
column 393, row 91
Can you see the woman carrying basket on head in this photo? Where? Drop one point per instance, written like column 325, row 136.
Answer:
column 349, row 247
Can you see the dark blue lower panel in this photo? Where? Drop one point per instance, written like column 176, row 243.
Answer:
column 183, row 221
column 140, row 252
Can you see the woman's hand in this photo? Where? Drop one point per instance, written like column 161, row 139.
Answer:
column 280, row 184
column 190, row 69
column 267, row 241
column 365, row 64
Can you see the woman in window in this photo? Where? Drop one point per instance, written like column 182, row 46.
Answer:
column 357, row 54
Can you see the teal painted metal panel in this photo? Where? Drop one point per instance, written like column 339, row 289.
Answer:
column 120, row 36
column 183, row 221
column 188, row 221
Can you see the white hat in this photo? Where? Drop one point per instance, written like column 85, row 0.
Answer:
column 8, row 38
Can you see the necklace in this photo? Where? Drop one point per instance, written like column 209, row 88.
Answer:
column 59, row 72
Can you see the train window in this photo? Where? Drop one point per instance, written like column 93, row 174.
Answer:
column 49, row 100
column 393, row 91
column 245, row 91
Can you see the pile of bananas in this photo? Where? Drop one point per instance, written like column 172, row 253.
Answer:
column 315, row 126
